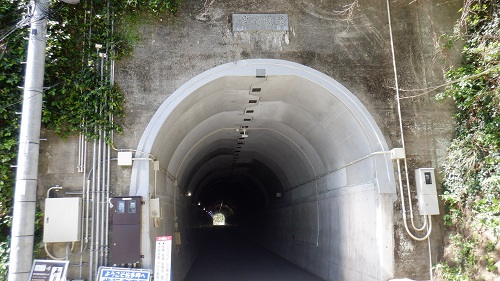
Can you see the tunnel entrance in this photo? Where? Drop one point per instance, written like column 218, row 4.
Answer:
column 286, row 154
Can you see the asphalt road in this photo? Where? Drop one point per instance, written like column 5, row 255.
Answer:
column 227, row 256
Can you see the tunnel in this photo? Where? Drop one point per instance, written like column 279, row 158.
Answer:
column 288, row 155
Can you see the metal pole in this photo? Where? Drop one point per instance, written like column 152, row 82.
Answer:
column 23, row 220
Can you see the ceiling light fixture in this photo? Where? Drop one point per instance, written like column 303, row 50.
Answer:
column 244, row 134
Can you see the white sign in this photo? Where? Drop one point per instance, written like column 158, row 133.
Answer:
column 163, row 258
column 49, row 270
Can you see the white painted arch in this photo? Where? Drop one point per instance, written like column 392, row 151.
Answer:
column 306, row 128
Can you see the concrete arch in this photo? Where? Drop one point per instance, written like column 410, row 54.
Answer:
column 322, row 146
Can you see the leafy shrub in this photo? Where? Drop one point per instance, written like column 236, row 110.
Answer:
column 471, row 171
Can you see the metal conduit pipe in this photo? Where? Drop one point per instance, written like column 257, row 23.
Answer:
column 398, row 100
column 103, row 199
column 106, row 216
column 105, row 182
column 96, row 218
column 86, row 183
column 101, row 196
column 79, row 162
column 92, row 225
column 106, row 224
column 429, row 229
column 84, row 224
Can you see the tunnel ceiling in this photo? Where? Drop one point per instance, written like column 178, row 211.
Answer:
column 241, row 133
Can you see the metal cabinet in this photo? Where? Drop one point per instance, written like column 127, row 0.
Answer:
column 126, row 230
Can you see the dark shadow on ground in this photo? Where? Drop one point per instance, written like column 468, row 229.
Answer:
column 227, row 256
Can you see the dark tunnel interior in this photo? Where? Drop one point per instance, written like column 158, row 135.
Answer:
column 241, row 193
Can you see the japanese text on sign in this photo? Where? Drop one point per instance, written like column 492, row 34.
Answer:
column 123, row 274
column 163, row 258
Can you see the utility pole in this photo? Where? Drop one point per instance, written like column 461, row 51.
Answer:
column 23, row 220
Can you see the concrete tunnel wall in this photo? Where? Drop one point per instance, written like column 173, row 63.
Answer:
column 335, row 216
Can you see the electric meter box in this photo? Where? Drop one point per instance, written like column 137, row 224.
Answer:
column 427, row 191
column 126, row 234
column 62, row 220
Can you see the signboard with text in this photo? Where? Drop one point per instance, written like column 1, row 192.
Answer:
column 49, row 270
column 163, row 258
column 123, row 274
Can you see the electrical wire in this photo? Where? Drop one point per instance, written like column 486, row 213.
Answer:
column 29, row 18
column 430, row 256
column 58, row 258
column 21, row 99
column 403, row 146
column 18, row 25
column 429, row 228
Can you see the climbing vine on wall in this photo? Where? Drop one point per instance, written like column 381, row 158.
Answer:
column 472, row 167
column 79, row 96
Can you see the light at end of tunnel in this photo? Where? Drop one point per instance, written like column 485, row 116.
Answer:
column 189, row 194
column 199, row 203
column 278, row 194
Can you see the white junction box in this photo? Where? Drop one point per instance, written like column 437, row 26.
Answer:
column 62, row 220
column 125, row 158
column 427, row 191
column 154, row 207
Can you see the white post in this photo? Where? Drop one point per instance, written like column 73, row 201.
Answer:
column 23, row 221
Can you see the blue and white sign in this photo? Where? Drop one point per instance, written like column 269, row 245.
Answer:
column 123, row 274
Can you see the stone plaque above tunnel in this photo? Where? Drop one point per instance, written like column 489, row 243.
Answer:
column 260, row 22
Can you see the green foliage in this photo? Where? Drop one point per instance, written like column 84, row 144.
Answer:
column 472, row 167
column 156, row 7
column 80, row 97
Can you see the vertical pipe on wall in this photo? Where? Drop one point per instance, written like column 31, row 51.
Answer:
column 79, row 164
column 106, row 204
column 85, row 198
column 97, row 216
column 103, row 199
column 92, row 208
column 98, row 200
column 398, row 100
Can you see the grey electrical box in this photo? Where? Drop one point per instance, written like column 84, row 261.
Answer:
column 62, row 220
column 427, row 191
column 126, row 231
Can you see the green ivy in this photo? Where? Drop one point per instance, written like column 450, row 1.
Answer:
column 471, row 188
column 79, row 96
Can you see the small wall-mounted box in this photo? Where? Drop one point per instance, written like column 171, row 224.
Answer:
column 426, row 191
column 154, row 207
column 62, row 221
column 177, row 238
column 124, row 158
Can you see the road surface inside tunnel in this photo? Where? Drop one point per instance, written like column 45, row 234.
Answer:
column 228, row 256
